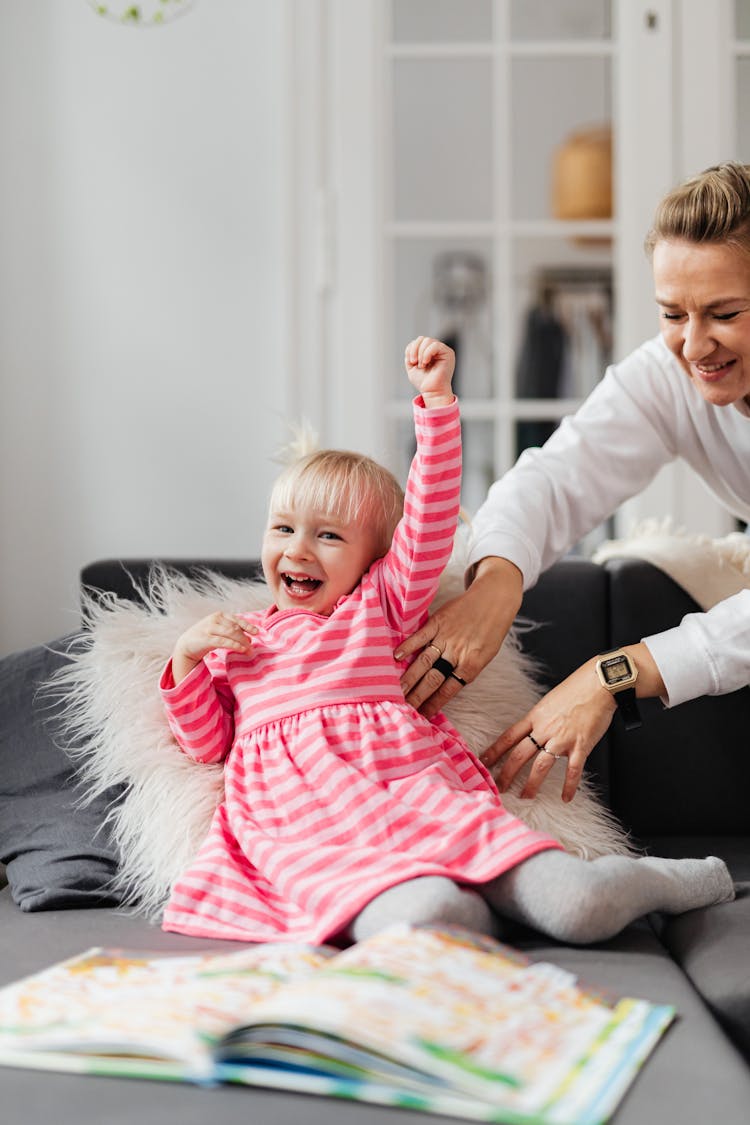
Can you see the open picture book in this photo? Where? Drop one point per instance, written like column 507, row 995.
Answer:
column 435, row 1019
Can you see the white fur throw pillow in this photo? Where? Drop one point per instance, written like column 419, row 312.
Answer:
column 710, row 570
column 110, row 709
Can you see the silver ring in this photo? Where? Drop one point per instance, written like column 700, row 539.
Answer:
column 543, row 749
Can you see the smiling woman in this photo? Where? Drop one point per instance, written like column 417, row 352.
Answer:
column 703, row 292
column 700, row 252
column 685, row 394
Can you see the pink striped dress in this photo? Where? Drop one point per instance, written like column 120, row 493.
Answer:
column 335, row 787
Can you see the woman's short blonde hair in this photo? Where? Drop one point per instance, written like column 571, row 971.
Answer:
column 711, row 207
column 349, row 486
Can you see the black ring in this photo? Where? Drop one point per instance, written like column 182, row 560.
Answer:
column 443, row 666
column 537, row 744
column 455, row 676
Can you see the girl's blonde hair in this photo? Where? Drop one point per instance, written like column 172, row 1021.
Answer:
column 713, row 206
column 349, row 486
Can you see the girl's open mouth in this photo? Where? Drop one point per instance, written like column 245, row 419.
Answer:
column 299, row 585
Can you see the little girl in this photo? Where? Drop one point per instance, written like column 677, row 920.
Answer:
column 345, row 809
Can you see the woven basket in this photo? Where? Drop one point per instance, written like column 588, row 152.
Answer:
column 582, row 175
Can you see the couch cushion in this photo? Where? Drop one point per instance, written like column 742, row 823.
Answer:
column 734, row 850
column 713, row 947
column 685, row 771
column 56, row 852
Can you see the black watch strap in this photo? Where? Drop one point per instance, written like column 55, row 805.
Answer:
column 628, row 708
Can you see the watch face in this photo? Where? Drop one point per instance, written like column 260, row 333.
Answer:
column 616, row 670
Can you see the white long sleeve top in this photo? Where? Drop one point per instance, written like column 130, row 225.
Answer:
column 644, row 413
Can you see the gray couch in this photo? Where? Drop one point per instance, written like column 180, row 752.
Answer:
column 680, row 784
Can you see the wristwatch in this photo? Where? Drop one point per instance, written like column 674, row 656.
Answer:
column 618, row 673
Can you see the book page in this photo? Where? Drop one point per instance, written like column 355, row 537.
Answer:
column 467, row 1014
column 435, row 1019
column 159, row 1007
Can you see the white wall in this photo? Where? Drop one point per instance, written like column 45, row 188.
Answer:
column 142, row 381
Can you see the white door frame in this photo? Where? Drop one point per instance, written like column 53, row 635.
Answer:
column 334, row 268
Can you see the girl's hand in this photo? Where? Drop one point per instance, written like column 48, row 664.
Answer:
column 218, row 630
column 467, row 632
column 430, row 365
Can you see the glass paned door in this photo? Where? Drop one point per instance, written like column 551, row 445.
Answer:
column 499, row 224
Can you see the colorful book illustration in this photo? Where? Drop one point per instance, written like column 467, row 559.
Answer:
column 434, row 1019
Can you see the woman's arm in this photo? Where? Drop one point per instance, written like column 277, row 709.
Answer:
column 707, row 653
column 608, row 451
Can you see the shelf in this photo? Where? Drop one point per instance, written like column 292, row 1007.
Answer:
column 439, row 50
column 521, row 228
column 564, row 48
column 542, row 49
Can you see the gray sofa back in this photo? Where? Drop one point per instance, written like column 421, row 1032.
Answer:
column 684, row 773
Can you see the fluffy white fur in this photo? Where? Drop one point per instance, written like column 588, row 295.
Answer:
column 108, row 704
column 710, row 570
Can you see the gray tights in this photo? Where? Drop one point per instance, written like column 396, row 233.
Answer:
column 567, row 898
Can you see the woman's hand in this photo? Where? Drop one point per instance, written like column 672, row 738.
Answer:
column 566, row 723
column 466, row 632
column 218, row 630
